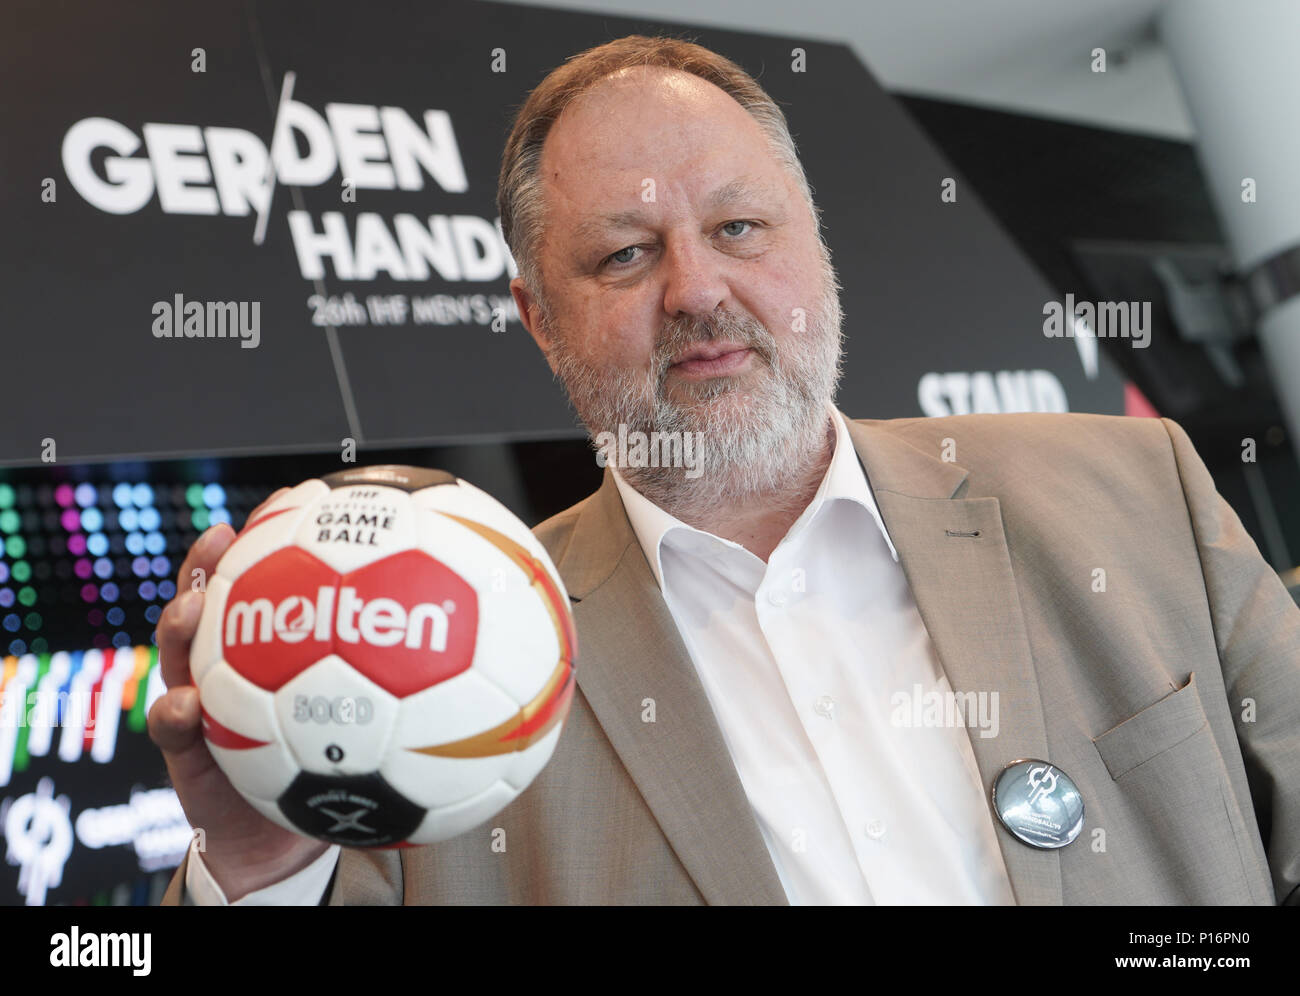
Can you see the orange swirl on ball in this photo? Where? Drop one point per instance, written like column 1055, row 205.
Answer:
column 551, row 704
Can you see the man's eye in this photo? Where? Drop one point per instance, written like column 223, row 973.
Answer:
column 614, row 256
column 621, row 258
column 737, row 234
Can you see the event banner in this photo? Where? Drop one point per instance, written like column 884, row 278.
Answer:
column 269, row 227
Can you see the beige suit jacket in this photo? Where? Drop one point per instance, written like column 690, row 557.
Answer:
column 1172, row 698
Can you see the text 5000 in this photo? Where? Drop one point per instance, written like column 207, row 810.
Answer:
column 343, row 709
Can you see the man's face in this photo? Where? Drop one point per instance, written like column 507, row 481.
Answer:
column 687, row 285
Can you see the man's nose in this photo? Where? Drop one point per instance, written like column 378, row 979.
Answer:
column 695, row 277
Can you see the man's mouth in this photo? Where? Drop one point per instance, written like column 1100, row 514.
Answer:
column 711, row 359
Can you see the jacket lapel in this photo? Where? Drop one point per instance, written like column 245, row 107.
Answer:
column 954, row 554
column 629, row 651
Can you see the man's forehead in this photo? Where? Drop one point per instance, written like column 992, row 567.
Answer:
column 631, row 117
column 642, row 79
column 591, row 183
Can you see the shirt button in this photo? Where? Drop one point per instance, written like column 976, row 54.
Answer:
column 777, row 597
column 876, row 829
column 825, row 707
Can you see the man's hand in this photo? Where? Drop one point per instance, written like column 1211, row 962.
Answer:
column 244, row 850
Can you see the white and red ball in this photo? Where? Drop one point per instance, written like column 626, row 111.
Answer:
column 385, row 657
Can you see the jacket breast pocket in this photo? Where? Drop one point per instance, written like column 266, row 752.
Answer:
column 1156, row 729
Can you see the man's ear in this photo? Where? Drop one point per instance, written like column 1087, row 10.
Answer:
column 530, row 312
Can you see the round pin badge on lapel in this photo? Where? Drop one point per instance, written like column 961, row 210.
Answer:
column 1039, row 803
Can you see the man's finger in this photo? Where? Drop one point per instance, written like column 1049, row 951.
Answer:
column 175, row 633
column 174, row 720
column 180, row 617
column 203, row 556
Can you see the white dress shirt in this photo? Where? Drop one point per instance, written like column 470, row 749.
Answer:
column 803, row 659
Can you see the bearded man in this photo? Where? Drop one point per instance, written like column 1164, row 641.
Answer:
column 764, row 628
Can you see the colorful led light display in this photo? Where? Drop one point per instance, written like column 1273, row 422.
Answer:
column 85, row 570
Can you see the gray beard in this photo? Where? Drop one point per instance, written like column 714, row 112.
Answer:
column 756, row 443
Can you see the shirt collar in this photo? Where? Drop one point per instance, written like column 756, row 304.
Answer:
column 845, row 480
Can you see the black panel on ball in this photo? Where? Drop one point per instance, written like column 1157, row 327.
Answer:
column 352, row 810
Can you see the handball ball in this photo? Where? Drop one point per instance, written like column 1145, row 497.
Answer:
column 385, row 658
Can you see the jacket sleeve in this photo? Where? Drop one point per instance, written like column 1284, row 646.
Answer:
column 175, row 894
column 1257, row 635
